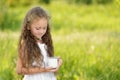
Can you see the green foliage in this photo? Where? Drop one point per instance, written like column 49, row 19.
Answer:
column 8, row 19
column 45, row 1
column 90, row 1
column 6, row 74
column 14, row 3
column 80, row 1
column 9, row 22
column 104, row 1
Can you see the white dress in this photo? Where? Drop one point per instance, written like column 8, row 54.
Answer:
column 42, row 75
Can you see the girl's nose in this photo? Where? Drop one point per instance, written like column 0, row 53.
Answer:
column 41, row 31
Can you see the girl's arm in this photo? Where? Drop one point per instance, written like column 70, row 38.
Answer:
column 22, row 70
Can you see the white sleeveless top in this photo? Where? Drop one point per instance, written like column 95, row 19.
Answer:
column 42, row 75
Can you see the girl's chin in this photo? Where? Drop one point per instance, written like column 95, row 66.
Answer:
column 39, row 38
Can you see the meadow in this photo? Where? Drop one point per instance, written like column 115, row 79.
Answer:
column 86, row 37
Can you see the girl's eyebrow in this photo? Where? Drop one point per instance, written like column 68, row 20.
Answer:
column 40, row 27
column 37, row 26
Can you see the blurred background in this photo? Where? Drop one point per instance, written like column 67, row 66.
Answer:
column 86, row 34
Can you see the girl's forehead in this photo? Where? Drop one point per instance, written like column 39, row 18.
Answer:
column 39, row 22
column 39, row 19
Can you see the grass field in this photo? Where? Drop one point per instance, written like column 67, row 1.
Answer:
column 86, row 37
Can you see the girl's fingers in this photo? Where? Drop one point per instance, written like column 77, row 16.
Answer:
column 60, row 61
column 53, row 70
column 49, row 68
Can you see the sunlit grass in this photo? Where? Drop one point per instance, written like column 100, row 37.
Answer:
column 86, row 55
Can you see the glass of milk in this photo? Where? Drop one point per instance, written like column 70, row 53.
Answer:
column 52, row 62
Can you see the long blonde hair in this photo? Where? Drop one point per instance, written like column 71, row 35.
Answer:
column 27, row 48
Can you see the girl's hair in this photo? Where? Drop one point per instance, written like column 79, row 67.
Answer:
column 27, row 48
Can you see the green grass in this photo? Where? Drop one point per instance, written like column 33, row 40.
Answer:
column 86, row 55
column 86, row 37
column 89, row 56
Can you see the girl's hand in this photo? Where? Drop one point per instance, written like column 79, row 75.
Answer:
column 59, row 61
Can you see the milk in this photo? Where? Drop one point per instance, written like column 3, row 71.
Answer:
column 53, row 62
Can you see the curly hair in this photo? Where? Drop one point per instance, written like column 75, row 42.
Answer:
column 28, row 49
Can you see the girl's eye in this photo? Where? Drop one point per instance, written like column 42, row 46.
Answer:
column 37, row 28
column 44, row 28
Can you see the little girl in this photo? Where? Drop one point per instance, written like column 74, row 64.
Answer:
column 35, row 46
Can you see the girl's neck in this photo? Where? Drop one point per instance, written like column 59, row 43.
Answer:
column 39, row 41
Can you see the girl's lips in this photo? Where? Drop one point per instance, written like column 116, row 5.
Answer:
column 39, row 36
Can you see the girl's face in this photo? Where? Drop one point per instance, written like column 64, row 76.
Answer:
column 38, row 27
